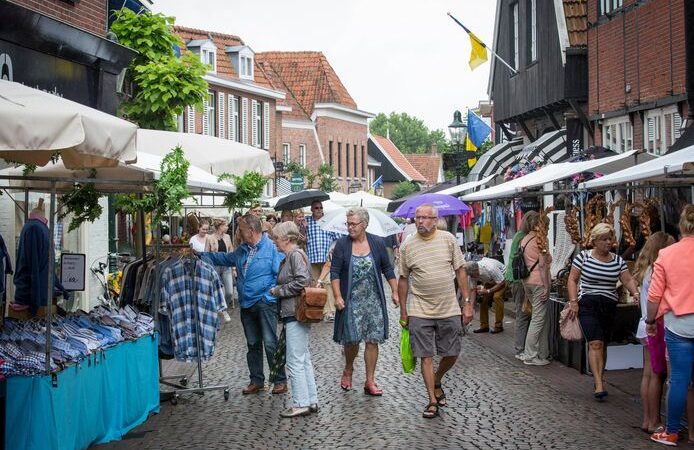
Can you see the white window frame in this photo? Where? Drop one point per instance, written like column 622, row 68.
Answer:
column 246, row 67
column 190, row 119
column 514, row 34
column 618, row 134
column 532, row 4
column 234, row 130
column 210, row 118
column 302, row 154
column 255, row 124
column 208, row 55
column 286, row 152
column 608, row 6
column 660, row 129
column 266, row 125
column 244, row 120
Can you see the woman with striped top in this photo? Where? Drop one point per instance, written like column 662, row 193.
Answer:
column 592, row 289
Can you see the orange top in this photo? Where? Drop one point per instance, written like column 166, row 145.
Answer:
column 672, row 282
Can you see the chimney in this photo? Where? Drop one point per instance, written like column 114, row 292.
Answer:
column 434, row 148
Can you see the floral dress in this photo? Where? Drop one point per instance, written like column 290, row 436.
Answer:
column 365, row 320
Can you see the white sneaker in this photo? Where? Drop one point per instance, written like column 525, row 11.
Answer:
column 226, row 316
column 521, row 356
column 536, row 362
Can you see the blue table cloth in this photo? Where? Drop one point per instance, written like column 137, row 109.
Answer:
column 98, row 401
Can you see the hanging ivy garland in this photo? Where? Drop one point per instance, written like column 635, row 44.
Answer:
column 82, row 202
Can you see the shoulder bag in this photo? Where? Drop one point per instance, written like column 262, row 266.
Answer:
column 310, row 303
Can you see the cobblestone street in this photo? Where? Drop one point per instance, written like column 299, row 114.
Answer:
column 494, row 402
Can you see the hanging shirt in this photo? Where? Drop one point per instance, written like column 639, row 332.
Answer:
column 31, row 277
column 180, row 283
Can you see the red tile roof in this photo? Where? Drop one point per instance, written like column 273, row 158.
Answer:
column 427, row 164
column 576, row 13
column 221, row 40
column 308, row 76
column 394, row 154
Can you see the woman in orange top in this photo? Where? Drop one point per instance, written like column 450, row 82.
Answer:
column 671, row 296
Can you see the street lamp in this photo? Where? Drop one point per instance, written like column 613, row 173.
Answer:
column 458, row 132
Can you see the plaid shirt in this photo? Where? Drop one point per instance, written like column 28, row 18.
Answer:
column 177, row 287
column 318, row 241
column 252, row 250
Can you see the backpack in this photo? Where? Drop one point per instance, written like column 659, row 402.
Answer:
column 520, row 269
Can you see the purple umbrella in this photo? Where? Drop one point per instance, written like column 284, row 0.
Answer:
column 447, row 205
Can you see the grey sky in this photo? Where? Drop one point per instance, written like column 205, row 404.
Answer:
column 405, row 56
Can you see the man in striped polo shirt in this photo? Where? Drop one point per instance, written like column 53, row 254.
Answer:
column 429, row 262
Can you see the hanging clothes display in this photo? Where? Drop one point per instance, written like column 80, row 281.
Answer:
column 192, row 295
column 31, row 276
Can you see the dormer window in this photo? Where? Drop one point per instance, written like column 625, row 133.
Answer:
column 242, row 59
column 206, row 50
column 209, row 58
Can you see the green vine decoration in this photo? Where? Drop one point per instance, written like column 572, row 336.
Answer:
column 82, row 202
column 168, row 192
column 249, row 188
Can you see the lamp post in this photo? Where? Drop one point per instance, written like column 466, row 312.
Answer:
column 458, row 132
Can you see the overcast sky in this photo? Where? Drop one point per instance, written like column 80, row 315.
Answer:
column 392, row 55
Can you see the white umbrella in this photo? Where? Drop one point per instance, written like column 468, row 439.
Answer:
column 215, row 155
column 379, row 223
column 35, row 124
column 366, row 200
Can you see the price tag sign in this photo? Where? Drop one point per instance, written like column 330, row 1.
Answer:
column 72, row 271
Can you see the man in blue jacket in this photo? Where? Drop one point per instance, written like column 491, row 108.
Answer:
column 257, row 263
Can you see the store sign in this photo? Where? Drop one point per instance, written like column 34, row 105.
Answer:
column 297, row 182
column 574, row 137
column 72, row 271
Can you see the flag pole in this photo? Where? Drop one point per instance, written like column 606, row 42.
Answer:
column 483, row 44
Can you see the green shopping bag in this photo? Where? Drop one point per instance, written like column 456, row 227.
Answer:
column 408, row 360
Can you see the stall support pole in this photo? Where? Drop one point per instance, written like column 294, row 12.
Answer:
column 51, row 269
column 141, row 227
column 26, row 205
column 662, row 210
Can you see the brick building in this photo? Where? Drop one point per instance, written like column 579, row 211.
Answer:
column 637, row 73
column 391, row 166
column 320, row 121
column 430, row 165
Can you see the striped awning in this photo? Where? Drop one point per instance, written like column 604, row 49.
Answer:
column 495, row 159
column 548, row 148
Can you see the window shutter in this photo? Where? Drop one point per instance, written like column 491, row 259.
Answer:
column 220, row 114
column 190, row 119
column 244, row 120
column 676, row 125
column 254, row 124
column 266, row 126
column 651, row 130
column 232, row 123
column 206, row 116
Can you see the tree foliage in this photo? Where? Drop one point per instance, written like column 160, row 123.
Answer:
column 164, row 84
column 408, row 133
column 83, row 202
column 326, row 178
column 403, row 189
column 249, row 188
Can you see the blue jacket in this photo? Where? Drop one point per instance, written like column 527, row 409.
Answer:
column 31, row 273
column 254, row 285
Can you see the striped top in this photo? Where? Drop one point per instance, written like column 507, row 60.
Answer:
column 597, row 277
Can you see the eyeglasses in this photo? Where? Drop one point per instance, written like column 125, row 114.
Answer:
column 425, row 217
column 353, row 224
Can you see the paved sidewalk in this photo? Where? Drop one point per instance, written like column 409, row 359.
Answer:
column 495, row 402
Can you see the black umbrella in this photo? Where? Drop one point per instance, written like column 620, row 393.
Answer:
column 280, row 358
column 301, row 199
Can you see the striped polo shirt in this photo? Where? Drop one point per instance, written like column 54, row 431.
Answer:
column 597, row 277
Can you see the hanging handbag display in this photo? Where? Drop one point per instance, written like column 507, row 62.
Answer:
column 570, row 329
column 310, row 303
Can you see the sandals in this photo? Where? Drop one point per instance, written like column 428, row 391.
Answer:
column 346, row 380
column 428, row 413
column 440, row 399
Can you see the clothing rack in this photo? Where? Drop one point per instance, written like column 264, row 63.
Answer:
column 184, row 251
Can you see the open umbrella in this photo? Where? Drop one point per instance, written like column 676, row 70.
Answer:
column 300, row 199
column 447, row 205
column 36, row 124
column 379, row 223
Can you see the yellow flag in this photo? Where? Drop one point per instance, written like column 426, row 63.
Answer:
column 470, row 147
column 478, row 55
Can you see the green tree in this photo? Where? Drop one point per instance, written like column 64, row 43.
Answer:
column 163, row 84
column 408, row 133
column 249, row 188
column 326, row 178
column 403, row 189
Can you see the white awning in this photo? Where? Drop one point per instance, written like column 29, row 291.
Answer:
column 495, row 159
column 550, row 173
column 146, row 169
column 459, row 189
column 548, row 148
column 656, row 170
column 35, row 124
column 212, row 154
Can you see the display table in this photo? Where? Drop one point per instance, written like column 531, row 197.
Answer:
column 98, row 401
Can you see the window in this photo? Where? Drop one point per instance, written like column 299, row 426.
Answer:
column 347, row 159
column 356, row 173
column 608, row 6
column 210, row 118
column 661, row 129
column 286, row 154
column 259, row 124
column 514, row 35
column 339, row 159
column 330, row 153
column 618, row 134
column 246, row 67
column 531, row 23
column 209, row 57
column 234, row 122
column 363, row 162
column 302, row 154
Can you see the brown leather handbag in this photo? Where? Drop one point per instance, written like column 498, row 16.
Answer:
column 309, row 305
